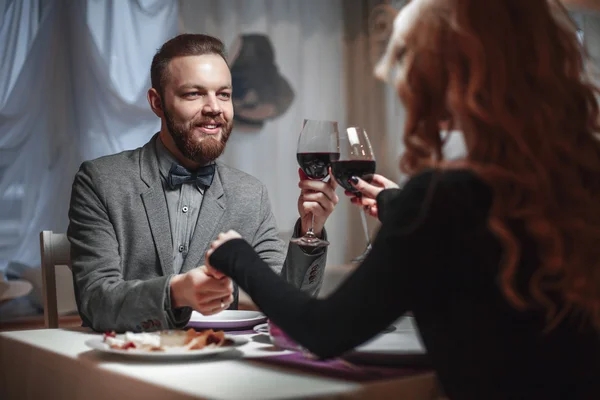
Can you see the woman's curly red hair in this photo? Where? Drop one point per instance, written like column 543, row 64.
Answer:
column 510, row 75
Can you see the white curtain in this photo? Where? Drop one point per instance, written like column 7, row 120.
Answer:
column 31, row 131
column 73, row 80
column 73, row 77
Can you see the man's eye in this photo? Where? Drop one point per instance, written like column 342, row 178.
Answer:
column 191, row 94
column 225, row 95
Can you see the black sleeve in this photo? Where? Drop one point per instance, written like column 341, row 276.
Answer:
column 384, row 199
column 374, row 296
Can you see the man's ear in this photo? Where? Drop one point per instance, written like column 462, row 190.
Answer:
column 155, row 102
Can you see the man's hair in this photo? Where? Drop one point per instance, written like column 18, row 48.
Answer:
column 180, row 46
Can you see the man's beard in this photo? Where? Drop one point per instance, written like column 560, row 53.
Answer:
column 204, row 151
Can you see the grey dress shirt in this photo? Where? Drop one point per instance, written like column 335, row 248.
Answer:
column 183, row 205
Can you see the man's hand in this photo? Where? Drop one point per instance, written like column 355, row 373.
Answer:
column 318, row 198
column 369, row 192
column 200, row 290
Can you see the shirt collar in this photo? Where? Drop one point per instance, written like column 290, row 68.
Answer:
column 165, row 158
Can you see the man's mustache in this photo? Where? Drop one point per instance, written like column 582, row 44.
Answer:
column 205, row 121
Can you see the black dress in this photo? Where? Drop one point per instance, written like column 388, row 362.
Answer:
column 435, row 256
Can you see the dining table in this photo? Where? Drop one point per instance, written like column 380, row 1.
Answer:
column 58, row 364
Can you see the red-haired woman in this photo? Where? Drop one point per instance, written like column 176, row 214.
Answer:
column 497, row 254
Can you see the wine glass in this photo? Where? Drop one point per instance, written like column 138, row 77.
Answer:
column 356, row 159
column 318, row 145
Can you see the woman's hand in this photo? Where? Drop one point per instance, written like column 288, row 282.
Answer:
column 222, row 238
column 368, row 192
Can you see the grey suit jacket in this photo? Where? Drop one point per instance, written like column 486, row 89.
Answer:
column 121, row 248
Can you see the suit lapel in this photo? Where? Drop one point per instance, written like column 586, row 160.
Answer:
column 158, row 217
column 211, row 212
column 156, row 206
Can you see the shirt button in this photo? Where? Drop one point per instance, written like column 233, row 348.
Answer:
column 181, row 248
column 185, row 209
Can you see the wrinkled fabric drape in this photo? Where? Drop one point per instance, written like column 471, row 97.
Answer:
column 73, row 82
column 73, row 77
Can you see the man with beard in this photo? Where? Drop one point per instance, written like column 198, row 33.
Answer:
column 142, row 220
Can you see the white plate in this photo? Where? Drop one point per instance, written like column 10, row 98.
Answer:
column 98, row 344
column 261, row 328
column 227, row 319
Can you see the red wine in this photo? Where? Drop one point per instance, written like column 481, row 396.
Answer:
column 316, row 165
column 344, row 170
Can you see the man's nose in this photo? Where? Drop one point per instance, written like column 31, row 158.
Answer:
column 212, row 106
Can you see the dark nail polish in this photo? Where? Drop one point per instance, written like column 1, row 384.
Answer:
column 354, row 180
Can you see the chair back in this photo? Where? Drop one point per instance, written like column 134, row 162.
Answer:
column 55, row 249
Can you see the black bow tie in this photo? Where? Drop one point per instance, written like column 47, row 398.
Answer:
column 179, row 175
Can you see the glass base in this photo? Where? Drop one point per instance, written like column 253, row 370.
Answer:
column 310, row 241
column 362, row 257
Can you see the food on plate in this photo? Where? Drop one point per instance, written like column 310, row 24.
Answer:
column 195, row 341
column 166, row 340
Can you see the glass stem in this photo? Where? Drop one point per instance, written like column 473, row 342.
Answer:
column 364, row 224
column 312, row 224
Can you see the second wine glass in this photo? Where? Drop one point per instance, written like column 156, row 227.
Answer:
column 356, row 159
column 318, row 146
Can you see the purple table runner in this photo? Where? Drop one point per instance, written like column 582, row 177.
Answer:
column 339, row 368
column 336, row 368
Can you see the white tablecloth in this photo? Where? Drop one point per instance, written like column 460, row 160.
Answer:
column 55, row 363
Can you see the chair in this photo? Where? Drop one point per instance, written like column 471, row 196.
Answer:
column 55, row 250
